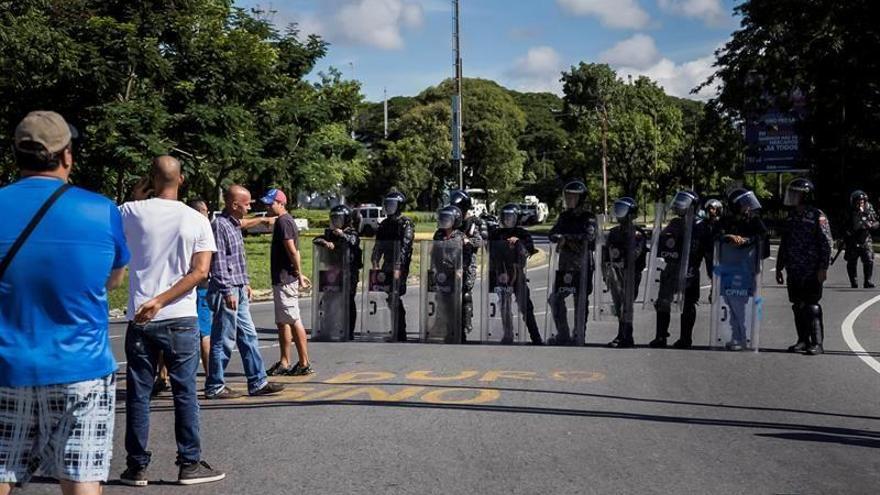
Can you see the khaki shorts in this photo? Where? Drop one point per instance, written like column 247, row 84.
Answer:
column 286, row 298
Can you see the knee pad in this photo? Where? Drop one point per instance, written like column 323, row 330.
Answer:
column 467, row 298
column 813, row 310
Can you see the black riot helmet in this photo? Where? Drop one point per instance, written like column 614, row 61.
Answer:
column 856, row 196
column 574, row 195
column 742, row 201
column 683, row 202
column 449, row 217
column 510, row 215
column 799, row 192
column 394, row 203
column 340, row 217
column 625, row 209
column 717, row 206
column 461, row 200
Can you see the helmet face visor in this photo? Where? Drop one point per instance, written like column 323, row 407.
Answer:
column 509, row 219
column 793, row 197
column 445, row 220
column 681, row 203
column 621, row 210
column 392, row 206
column 747, row 202
column 337, row 221
column 571, row 199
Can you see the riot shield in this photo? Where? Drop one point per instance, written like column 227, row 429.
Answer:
column 687, row 236
column 332, row 294
column 656, row 264
column 381, row 291
column 736, row 297
column 602, row 301
column 505, row 294
column 569, row 278
column 619, row 254
column 441, row 282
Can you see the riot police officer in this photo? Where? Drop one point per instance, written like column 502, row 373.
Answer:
column 446, row 257
column 804, row 254
column 742, row 228
column 394, row 246
column 342, row 236
column 574, row 235
column 673, row 247
column 858, row 241
column 476, row 233
column 510, row 247
column 623, row 260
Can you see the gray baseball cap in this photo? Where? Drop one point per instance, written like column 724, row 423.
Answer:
column 43, row 131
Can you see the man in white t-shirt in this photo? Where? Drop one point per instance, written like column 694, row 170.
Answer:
column 171, row 246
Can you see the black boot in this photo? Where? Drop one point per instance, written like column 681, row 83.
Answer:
column 688, row 320
column 851, row 271
column 802, row 335
column 869, row 274
column 662, row 332
column 816, row 329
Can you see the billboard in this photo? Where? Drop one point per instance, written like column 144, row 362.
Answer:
column 774, row 143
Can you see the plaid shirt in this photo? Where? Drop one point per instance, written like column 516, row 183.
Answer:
column 228, row 267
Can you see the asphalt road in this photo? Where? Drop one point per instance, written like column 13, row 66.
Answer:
column 414, row 418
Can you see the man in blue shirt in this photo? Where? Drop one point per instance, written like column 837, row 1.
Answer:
column 57, row 386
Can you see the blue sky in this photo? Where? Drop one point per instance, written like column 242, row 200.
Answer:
column 406, row 45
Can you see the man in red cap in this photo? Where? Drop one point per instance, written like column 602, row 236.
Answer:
column 288, row 278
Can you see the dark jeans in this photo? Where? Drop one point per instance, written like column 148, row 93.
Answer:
column 178, row 340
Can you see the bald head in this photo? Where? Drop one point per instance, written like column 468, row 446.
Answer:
column 238, row 200
column 165, row 170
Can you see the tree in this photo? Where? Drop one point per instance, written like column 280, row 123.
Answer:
column 826, row 51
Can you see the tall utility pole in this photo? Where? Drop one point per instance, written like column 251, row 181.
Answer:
column 385, row 90
column 456, row 99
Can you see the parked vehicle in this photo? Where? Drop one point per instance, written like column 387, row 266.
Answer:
column 371, row 217
column 533, row 211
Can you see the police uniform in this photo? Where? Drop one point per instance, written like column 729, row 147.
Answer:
column 511, row 260
column 671, row 241
column 443, row 258
column 351, row 242
column 476, row 232
column 805, row 250
column 627, row 243
column 859, row 244
column 577, row 228
column 401, row 230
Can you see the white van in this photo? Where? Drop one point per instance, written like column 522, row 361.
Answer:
column 371, row 217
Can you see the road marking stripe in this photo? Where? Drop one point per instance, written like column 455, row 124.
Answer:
column 849, row 336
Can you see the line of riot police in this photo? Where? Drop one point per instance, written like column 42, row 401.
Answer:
column 587, row 260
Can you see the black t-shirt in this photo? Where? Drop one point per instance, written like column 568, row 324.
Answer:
column 280, row 265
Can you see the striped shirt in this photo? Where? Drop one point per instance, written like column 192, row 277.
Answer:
column 229, row 266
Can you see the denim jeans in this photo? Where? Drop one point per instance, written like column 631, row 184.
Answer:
column 231, row 328
column 178, row 340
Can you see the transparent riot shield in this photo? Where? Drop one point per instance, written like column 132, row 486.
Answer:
column 603, row 306
column 382, row 291
column 441, row 282
column 736, row 297
column 331, row 294
column 620, row 249
column 569, row 283
column 506, row 302
column 656, row 264
column 687, row 236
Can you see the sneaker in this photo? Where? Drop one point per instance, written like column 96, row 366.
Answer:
column 198, row 473
column 134, row 476
column 159, row 386
column 269, row 388
column 298, row 370
column 734, row 346
column 224, row 393
column 278, row 370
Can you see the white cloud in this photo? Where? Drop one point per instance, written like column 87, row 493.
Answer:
column 376, row 22
column 639, row 52
column 538, row 70
column 709, row 11
column 678, row 79
column 627, row 14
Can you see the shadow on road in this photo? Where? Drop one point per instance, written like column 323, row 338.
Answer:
column 815, row 437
